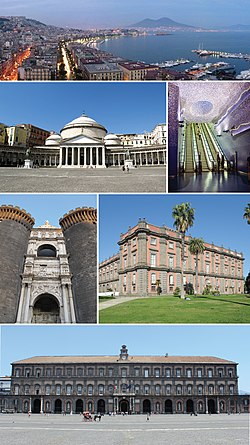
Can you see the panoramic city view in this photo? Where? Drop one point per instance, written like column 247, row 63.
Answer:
column 124, row 222
column 211, row 44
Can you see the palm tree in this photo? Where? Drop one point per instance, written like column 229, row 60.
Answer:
column 196, row 246
column 183, row 215
column 247, row 213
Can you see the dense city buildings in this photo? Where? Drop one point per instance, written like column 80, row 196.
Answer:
column 125, row 383
column 45, row 277
column 82, row 142
column 150, row 257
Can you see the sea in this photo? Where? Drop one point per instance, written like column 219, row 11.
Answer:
column 160, row 48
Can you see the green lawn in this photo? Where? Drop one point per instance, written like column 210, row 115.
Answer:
column 169, row 309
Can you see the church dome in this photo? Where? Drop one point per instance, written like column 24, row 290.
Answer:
column 53, row 139
column 83, row 125
column 112, row 139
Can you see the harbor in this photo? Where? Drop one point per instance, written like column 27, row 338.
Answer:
column 224, row 54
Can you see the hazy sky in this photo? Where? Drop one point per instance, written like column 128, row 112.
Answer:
column 111, row 13
column 19, row 342
column 120, row 106
column 218, row 219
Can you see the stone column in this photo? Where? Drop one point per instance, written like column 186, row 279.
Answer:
column 65, row 304
column 20, row 306
column 72, row 155
column 103, row 157
column 113, row 159
column 78, row 157
column 91, row 156
column 27, row 305
column 85, row 160
column 66, row 155
column 41, row 411
column 71, row 304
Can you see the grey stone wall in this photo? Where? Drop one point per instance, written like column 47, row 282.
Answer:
column 80, row 242
column 14, row 238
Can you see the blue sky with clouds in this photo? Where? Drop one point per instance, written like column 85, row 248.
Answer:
column 111, row 13
column 19, row 342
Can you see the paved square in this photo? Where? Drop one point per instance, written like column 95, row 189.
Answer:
column 110, row 180
column 123, row 430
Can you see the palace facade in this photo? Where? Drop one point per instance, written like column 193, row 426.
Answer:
column 126, row 383
column 151, row 255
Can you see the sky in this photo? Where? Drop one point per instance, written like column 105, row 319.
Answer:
column 218, row 219
column 49, row 207
column 113, row 13
column 120, row 107
column 19, row 342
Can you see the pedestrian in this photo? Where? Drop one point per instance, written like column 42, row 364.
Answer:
column 127, row 169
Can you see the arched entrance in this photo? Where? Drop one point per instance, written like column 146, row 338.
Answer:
column 168, row 406
column 124, row 406
column 36, row 406
column 101, row 406
column 146, row 407
column 211, row 406
column 46, row 310
column 79, row 406
column 58, row 406
column 190, row 406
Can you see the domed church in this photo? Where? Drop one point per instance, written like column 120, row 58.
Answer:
column 85, row 143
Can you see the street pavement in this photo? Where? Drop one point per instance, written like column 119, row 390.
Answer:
column 57, row 180
column 38, row 429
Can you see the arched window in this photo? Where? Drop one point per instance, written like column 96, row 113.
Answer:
column 46, row 250
column 90, row 390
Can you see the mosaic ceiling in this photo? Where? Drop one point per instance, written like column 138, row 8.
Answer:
column 207, row 101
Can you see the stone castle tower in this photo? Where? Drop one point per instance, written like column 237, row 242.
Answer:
column 79, row 229
column 15, row 228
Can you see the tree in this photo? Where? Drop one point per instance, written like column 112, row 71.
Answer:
column 183, row 215
column 247, row 284
column 247, row 213
column 196, row 246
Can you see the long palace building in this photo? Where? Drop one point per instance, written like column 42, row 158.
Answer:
column 125, row 383
column 149, row 255
column 84, row 143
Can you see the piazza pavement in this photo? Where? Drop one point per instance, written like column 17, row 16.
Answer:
column 58, row 429
column 109, row 180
